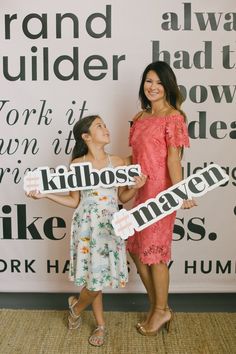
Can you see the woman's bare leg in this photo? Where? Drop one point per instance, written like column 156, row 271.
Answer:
column 146, row 276
column 161, row 313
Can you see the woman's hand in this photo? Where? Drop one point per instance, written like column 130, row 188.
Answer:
column 188, row 204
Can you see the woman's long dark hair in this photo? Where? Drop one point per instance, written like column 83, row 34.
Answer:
column 80, row 128
column 169, row 82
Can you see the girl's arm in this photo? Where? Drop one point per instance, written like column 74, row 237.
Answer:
column 128, row 160
column 70, row 200
column 125, row 193
column 175, row 172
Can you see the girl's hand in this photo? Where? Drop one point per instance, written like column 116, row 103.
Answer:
column 139, row 181
column 188, row 204
column 70, row 200
column 35, row 195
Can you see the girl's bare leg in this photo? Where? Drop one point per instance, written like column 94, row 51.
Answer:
column 97, row 306
column 85, row 299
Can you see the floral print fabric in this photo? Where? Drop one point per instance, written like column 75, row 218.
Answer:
column 98, row 256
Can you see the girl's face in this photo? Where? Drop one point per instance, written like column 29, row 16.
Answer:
column 99, row 132
column 153, row 88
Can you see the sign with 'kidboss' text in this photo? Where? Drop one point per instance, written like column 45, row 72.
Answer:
column 81, row 176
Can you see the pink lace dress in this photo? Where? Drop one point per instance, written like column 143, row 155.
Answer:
column 149, row 139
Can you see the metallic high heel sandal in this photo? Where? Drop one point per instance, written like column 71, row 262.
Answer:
column 74, row 321
column 138, row 325
column 165, row 325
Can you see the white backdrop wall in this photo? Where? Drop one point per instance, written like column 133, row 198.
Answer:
column 61, row 60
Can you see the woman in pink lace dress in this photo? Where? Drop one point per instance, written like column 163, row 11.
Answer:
column 157, row 137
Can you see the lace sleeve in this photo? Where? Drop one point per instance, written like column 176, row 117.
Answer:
column 176, row 132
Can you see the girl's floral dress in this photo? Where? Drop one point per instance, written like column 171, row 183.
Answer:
column 97, row 255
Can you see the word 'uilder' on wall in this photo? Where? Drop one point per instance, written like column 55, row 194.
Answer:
column 41, row 63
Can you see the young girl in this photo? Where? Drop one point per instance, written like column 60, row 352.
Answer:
column 97, row 255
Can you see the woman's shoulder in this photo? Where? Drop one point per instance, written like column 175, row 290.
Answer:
column 137, row 116
column 174, row 114
column 169, row 113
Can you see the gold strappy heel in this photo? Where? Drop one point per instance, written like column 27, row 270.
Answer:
column 138, row 325
column 142, row 330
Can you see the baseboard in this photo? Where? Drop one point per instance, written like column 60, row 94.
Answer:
column 210, row 302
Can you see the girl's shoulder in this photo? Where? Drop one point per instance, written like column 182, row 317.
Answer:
column 77, row 160
column 117, row 161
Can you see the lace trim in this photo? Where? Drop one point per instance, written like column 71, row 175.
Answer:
column 152, row 255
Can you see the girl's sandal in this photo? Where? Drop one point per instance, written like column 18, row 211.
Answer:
column 98, row 340
column 74, row 320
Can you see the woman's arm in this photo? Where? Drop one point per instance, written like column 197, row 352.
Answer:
column 128, row 159
column 175, row 172
column 174, row 165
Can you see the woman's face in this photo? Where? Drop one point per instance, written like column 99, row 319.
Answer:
column 99, row 132
column 153, row 88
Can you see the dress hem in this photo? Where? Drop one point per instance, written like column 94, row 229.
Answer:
column 145, row 261
column 101, row 288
